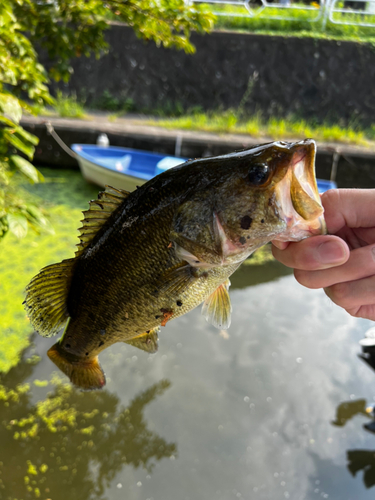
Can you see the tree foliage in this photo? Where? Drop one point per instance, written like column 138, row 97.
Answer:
column 65, row 29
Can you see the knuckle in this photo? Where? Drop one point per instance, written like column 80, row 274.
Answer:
column 340, row 294
column 330, row 198
column 356, row 313
column 304, row 278
column 364, row 311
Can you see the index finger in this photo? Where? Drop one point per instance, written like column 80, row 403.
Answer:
column 348, row 207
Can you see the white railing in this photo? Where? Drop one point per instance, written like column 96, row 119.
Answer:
column 336, row 11
column 334, row 6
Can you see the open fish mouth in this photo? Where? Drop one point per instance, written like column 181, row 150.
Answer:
column 298, row 201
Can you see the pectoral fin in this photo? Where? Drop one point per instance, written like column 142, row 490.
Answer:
column 194, row 253
column 217, row 307
column 148, row 341
column 176, row 280
column 190, row 258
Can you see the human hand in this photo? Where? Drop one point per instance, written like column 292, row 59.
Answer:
column 342, row 262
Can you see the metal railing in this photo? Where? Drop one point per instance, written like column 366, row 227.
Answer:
column 361, row 15
column 334, row 11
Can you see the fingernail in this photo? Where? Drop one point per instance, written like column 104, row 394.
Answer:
column 331, row 253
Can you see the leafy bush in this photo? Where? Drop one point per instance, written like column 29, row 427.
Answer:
column 109, row 102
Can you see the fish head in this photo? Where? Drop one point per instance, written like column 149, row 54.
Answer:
column 260, row 194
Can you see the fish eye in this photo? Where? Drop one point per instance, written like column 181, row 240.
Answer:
column 258, row 174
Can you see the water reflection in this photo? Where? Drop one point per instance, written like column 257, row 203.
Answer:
column 71, row 444
column 362, row 460
column 358, row 460
column 260, row 268
column 349, row 409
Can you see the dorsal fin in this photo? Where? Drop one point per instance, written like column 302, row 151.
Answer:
column 46, row 297
column 100, row 210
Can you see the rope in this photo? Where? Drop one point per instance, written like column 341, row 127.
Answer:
column 59, row 141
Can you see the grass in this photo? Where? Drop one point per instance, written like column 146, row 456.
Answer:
column 109, row 102
column 293, row 22
column 289, row 128
column 68, row 106
column 231, row 121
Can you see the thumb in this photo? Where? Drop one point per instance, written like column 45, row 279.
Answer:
column 317, row 252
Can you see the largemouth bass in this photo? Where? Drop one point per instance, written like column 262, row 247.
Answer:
column 149, row 256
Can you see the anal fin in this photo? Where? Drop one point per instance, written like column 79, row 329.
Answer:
column 86, row 374
column 217, row 307
column 148, row 341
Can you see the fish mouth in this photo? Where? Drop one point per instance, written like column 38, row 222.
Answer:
column 297, row 197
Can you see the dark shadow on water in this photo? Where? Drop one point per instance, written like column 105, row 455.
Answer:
column 72, row 444
column 251, row 274
column 349, row 409
column 358, row 460
column 362, row 460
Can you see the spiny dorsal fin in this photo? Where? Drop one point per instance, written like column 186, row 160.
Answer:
column 100, row 210
column 217, row 307
column 46, row 297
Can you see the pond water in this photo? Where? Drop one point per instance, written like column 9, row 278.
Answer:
column 272, row 410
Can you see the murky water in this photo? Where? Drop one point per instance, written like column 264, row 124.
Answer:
column 250, row 415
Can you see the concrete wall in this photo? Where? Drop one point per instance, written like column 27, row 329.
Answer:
column 310, row 78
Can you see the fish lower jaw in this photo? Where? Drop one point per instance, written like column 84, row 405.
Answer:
column 298, row 229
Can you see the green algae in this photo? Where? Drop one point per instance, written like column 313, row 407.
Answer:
column 64, row 195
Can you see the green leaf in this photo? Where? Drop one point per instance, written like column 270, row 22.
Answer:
column 37, row 220
column 11, row 107
column 26, row 135
column 26, row 168
column 7, row 121
column 19, row 143
column 17, row 225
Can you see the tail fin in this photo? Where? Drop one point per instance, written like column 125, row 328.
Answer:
column 85, row 374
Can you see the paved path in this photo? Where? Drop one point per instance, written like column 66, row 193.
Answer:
column 136, row 126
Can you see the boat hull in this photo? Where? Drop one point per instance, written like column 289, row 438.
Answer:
column 102, row 176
